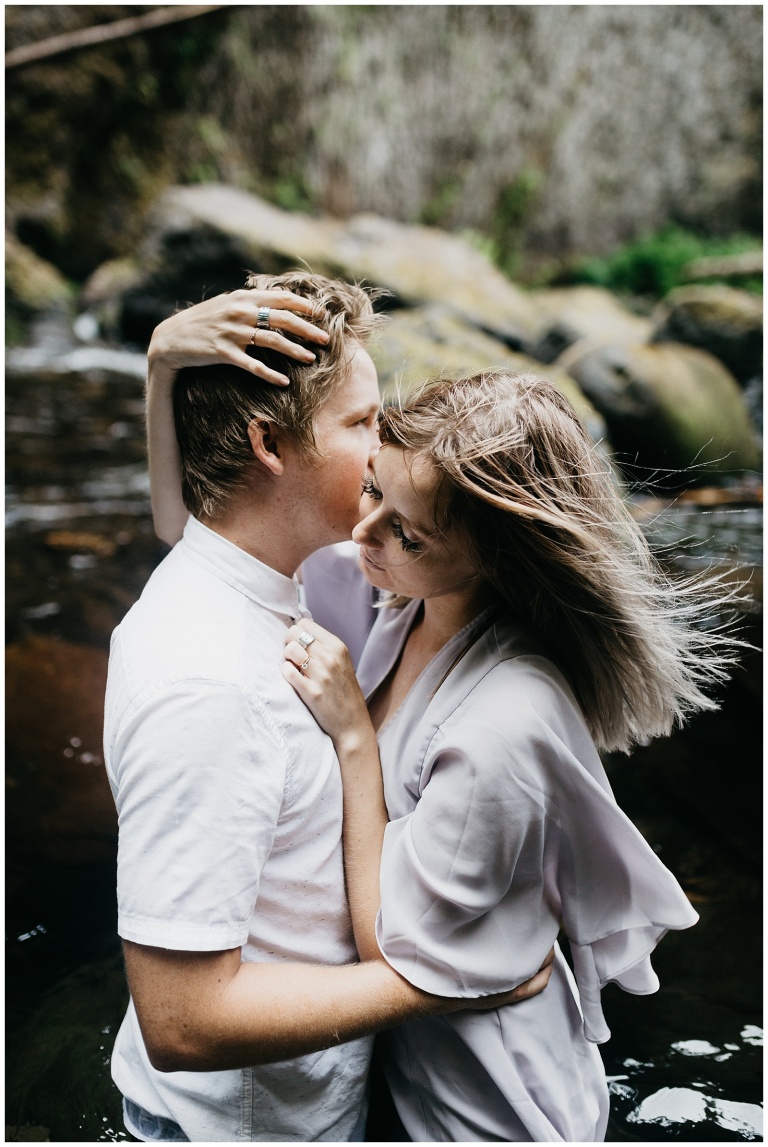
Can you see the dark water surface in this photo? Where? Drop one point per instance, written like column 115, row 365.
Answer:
column 683, row 1064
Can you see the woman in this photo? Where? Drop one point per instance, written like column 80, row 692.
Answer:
column 528, row 626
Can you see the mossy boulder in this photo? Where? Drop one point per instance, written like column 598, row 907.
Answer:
column 32, row 287
column 568, row 314
column 427, row 265
column 724, row 321
column 211, row 233
column 429, row 341
column 105, row 292
column 667, row 406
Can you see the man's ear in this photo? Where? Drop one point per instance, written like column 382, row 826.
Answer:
column 266, row 443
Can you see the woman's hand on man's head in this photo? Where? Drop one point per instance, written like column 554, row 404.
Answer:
column 221, row 329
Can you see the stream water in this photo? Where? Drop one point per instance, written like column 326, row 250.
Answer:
column 683, row 1064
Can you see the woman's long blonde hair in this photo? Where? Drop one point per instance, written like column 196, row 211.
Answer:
column 523, row 484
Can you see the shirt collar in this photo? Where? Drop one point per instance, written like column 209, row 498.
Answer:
column 242, row 571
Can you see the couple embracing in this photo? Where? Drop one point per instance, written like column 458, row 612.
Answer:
column 310, row 852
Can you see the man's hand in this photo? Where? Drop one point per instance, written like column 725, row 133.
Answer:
column 524, row 991
column 221, row 329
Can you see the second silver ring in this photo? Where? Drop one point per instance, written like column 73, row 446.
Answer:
column 304, row 665
column 262, row 319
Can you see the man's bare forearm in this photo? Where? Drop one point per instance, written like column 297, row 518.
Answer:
column 210, row 1012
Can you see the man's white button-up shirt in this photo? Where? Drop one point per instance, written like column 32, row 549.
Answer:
column 230, row 807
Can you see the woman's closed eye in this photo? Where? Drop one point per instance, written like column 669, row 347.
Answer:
column 407, row 543
column 371, row 490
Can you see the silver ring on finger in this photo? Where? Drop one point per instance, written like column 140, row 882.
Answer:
column 304, row 665
column 305, row 639
column 262, row 319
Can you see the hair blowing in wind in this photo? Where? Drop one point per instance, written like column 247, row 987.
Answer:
column 547, row 527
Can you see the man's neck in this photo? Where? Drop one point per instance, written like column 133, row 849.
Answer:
column 264, row 535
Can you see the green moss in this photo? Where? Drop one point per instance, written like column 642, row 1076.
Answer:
column 652, row 264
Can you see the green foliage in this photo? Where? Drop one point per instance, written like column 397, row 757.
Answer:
column 291, row 194
column 502, row 241
column 207, row 147
column 16, row 329
column 437, row 211
column 514, row 204
column 92, row 136
column 481, row 242
column 652, row 264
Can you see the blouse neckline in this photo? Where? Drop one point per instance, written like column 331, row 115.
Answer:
column 412, row 610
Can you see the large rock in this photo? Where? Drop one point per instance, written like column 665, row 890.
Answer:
column 226, row 228
column 32, row 285
column 668, row 406
column 58, row 799
column 105, row 291
column 722, row 320
column 568, row 314
column 429, row 341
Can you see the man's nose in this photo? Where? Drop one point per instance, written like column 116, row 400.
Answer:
column 375, row 447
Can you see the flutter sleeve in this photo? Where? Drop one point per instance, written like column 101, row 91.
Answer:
column 513, row 835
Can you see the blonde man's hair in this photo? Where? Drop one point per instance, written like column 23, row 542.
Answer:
column 524, row 486
column 213, row 405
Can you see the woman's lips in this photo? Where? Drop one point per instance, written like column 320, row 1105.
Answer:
column 370, row 563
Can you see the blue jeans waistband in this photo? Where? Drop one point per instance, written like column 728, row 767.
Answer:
column 151, row 1128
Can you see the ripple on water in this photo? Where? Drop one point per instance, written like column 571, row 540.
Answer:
column 688, row 1107
column 674, row 1105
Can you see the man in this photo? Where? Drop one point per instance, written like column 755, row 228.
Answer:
column 231, row 900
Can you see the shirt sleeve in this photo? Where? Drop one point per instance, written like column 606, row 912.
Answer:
column 474, row 846
column 200, row 781
column 512, row 836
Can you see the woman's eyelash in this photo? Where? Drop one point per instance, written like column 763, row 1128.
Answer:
column 408, row 545
column 374, row 492
column 371, row 490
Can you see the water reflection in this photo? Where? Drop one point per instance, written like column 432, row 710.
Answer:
column 680, row 1109
column 674, row 1105
column 684, row 1064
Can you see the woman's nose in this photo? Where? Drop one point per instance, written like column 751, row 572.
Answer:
column 364, row 532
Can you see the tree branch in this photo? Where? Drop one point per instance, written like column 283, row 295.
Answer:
column 103, row 33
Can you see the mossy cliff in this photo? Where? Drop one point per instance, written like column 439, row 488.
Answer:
column 551, row 131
